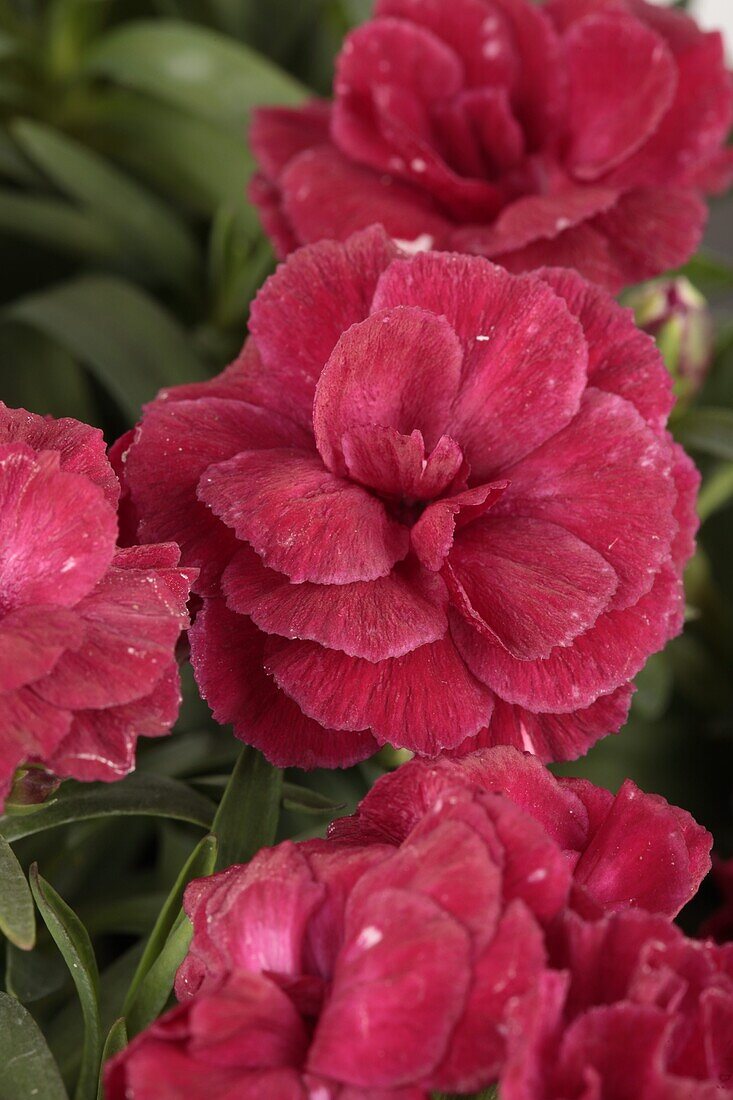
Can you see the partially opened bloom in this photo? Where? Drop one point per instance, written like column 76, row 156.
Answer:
column 582, row 133
column 637, row 1010
column 393, row 966
column 388, row 962
column 87, row 631
column 433, row 504
column 629, row 850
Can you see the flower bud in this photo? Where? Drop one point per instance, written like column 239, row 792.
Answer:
column 678, row 317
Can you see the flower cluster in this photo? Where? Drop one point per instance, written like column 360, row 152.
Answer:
column 87, row 630
column 406, row 528
column 394, row 958
column 636, row 1009
column 579, row 134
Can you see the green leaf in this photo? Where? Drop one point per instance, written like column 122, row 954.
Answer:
column 115, row 1042
column 709, row 430
column 17, row 916
column 32, row 975
column 28, row 1068
column 239, row 260
column 198, row 70
column 73, row 942
column 38, row 374
column 200, row 863
column 156, row 986
column 708, row 273
column 249, row 809
column 55, row 224
column 127, row 341
column 716, row 491
column 139, row 794
column 142, row 225
column 654, row 686
column 194, row 162
column 305, row 801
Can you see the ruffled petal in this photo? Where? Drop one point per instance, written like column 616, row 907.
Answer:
column 600, row 660
column 534, row 585
column 524, row 355
column 622, row 82
column 402, row 949
column 330, row 282
column 78, row 524
column 132, row 621
column 425, row 701
column 614, row 342
column 552, row 737
column 227, row 652
column 168, row 506
column 277, row 134
column 400, row 368
column 32, row 639
column 80, row 447
column 618, row 498
column 371, row 619
column 303, row 520
column 325, row 196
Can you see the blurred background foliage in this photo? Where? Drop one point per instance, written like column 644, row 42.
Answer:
column 129, row 258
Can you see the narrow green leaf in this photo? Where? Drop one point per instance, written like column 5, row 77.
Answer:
column 56, row 225
column 138, row 794
column 716, row 491
column 155, row 988
column 200, row 863
column 28, row 1069
column 305, row 801
column 73, row 942
column 127, row 341
column 654, row 686
column 239, row 259
column 190, row 67
column 249, row 809
column 709, row 273
column 194, row 162
column 142, row 224
column 709, row 430
column 32, row 975
column 38, row 374
column 115, row 1042
column 17, row 916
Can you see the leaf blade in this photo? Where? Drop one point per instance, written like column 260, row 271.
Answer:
column 17, row 915
column 73, row 942
column 248, row 813
column 141, row 794
column 28, row 1066
column 199, row 70
column 130, row 344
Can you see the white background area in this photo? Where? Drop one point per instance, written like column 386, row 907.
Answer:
column 716, row 15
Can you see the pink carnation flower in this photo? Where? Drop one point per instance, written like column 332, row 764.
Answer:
column 87, row 631
column 631, row 850
column 433, row 504
column 580, row 134
column 637, row 1011
column 387, row 962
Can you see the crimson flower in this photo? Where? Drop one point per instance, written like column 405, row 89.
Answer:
column 433, row 504
column 631, row 850
column 581, row 134
column 638, row 1010
column 387, row 962
column 87, row 631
